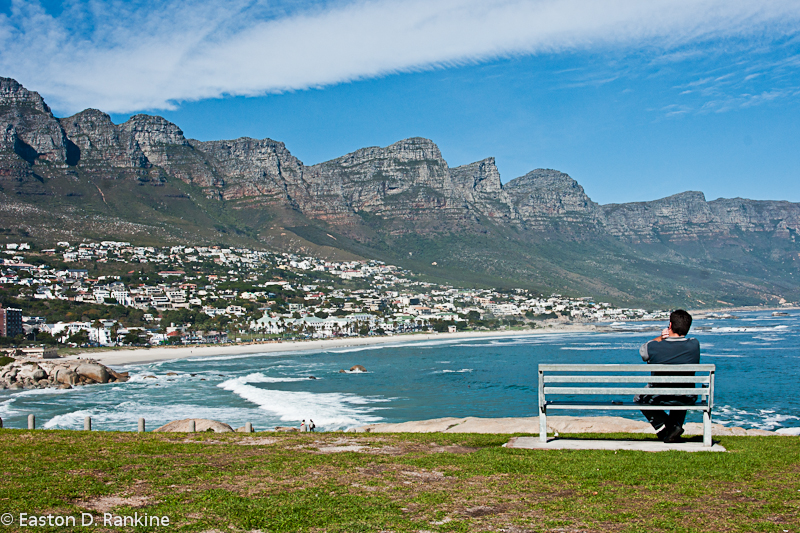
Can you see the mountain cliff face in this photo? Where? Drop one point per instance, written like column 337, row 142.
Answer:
column 400, row 197
column 260, row 171
column 483, row 191
column 546, row 199
column 688, row 217
column 407, row 184
column 30, row 131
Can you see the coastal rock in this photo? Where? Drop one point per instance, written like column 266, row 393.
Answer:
column 30, row 371
column 66, row 376
column 93, row 371
column 243, row 429
column 118, row 376
column 357, row 368
column 200, row 424
column 10, row 372
column 37, row 373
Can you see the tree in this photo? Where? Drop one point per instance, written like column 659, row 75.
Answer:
column 132, row 338
column 80, row 337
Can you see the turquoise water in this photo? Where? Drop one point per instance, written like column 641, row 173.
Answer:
column 757, row 358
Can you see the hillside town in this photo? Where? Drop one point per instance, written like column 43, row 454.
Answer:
column 115, row 293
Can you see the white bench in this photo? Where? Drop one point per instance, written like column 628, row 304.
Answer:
column 577, row 380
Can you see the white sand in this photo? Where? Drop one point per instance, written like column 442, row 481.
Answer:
column 163, row 353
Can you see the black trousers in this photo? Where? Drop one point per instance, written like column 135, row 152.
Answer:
column 674, row 418
column 659, row 419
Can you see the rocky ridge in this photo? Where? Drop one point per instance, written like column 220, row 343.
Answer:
column 408, row 185
column 401, row 203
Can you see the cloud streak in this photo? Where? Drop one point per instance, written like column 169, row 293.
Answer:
column 123, row 57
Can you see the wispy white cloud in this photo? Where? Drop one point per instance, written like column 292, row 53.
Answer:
column 124, row 57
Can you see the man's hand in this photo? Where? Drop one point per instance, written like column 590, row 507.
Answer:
column 664, row 334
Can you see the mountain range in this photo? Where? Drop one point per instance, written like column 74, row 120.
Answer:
column 85, row 177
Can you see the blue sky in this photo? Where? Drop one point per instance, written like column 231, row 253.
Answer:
column 634, row 100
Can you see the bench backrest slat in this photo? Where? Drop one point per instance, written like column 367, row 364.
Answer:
column 627, row 379
column 627, row 390
column 550, row 367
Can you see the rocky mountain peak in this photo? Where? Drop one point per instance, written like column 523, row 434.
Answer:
column 545, row 196
column 151, row 130
column 416, row 149
column 545, row 178
column 480, row 184
column 480, row 176
column 255, row 168
column 12, row 93
column 101, row 142
column 30, row 130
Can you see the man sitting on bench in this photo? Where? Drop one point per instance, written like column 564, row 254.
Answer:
column 672, row 347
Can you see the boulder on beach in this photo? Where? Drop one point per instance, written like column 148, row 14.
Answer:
column 29, row 373
column 200, row 424
column 66, row 376
column 94, row 371
column 243, row 429
column 357, row 368
column 119, row 376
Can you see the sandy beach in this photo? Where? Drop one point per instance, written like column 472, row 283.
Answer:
column 163, row 353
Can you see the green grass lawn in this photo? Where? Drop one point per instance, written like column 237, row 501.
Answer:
column 351, row 482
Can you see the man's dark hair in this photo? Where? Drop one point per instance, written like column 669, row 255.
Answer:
column 681, row 322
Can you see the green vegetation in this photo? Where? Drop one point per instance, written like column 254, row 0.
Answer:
column 398, row 482
column 69, row 311
column 4, row 360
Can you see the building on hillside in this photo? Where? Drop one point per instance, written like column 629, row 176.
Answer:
column 10, row 322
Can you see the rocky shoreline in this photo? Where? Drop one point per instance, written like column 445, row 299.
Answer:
column 28, row 373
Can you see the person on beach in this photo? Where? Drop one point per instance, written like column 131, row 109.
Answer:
column 672, row 347
column 311, row 425
column 303, row 426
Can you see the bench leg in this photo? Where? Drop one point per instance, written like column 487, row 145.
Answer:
column 542, row 425
column 706, row 428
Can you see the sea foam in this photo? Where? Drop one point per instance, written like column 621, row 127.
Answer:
column 331, row 410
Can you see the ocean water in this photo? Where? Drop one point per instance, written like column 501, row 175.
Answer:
column 757, row 386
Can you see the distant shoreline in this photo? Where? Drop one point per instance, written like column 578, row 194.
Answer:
column 167, row 353
column 743, row 308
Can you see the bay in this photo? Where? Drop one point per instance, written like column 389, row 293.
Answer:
column 757, row 357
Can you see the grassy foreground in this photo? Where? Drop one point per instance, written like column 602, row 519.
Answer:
column 394, row 482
